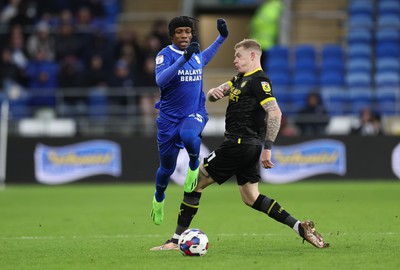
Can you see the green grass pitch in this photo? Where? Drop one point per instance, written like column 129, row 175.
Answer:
column 80, row 226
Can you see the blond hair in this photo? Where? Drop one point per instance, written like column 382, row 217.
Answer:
column 249, row 44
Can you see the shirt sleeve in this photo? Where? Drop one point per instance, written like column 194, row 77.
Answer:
column 209, row 53
column 165, row 69
column 263, row 90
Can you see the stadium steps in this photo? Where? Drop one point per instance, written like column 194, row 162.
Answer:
column 318, row 22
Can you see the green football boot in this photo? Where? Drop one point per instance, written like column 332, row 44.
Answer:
column 157, row 212
column 191, row 180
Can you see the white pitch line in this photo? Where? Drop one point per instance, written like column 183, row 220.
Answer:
column 35, row 237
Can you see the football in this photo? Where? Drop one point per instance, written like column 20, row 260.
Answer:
column 193, row 242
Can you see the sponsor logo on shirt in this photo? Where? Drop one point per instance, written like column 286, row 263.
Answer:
column 190, row 75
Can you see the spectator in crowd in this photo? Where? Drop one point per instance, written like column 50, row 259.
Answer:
column 99, row 45
column 9, row 11
column 313, row 118
column 95, row 75
column 265, row 25
column 42, row 40
column 160, row 31
column 151, row 47
column 67, row 43
column 8, row 69
column 127, row 45
column 287, row 129
column 42, row 75
column 70, row 74
column 18, row 52
column 122, row 80
column 368, row 124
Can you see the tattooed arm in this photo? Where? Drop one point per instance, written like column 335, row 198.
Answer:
column 272, row 126
column 219, row 92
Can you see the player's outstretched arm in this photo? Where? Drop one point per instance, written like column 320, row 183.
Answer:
column 209, row 53
column 219, row 92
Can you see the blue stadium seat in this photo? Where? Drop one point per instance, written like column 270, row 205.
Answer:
column 278, row 78
column 278, row 65
column 387, row 50
column 332, row 65
column 387, row 78
column 335, row 100
column 359, row 21
column 283, row 97
column 305, row 79
column 359, row 51
column 358, row 80
column 360, row 8
column 359, row 36
column 387, row 64
column 278, row 57
column 391, row 7
column 388, row 21
column 299, row 97
column 332, row 78
column 332, row 51
column 360, row 98
column 387, row 36
column 305, row 53
column 388, row 101
column 355, row 65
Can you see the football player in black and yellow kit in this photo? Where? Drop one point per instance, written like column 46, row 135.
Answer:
column 252, row 123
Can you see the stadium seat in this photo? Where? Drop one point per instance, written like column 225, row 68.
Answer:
column 360, row 98
column 388, row 7
column 278, row 78
column 359, row 51
column 388, row 21
column 278, row 59
column 305, row 79
column 387, row 36
column 388, row 101
column 359, row 21
column 299, row 97
column 332, row 78
column 335, row 100
column 360, row 8
column 278, row 65
column 384, row 64
column 332, row 65
column 283, row 97
column 359, row 36
column 387, row 78
column 358, row 80
column 305, row 53
column 384, row 50
column 355, row 65
column 278, row 52
column 332, row 51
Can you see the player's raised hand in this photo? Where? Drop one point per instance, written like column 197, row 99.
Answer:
column 222, row 27
column 194, row 47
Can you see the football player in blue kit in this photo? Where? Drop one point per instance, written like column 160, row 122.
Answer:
column 182, row 113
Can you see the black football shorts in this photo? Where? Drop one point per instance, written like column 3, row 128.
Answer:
column 231, row 158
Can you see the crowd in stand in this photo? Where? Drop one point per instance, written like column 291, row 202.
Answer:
column 56, row 45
